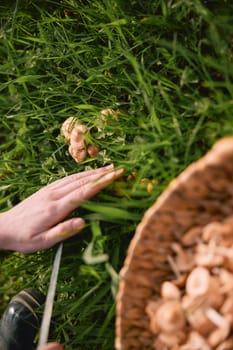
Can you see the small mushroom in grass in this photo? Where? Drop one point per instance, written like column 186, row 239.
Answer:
column 77, row 134
column 105, row 113
column 132, row 176
column 77, row 148
column 67, row 127
column 149, row 184
column 78, row 154
column 92, row 150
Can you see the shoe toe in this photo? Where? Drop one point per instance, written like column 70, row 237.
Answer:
column 21, row 320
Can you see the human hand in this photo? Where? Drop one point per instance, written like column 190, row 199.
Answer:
column 52, row 346
column 37, row 222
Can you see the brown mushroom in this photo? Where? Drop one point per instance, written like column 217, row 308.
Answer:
column 172, row 339
column 151, row 310
column 170, row 316
column 77, row 134
column 198, row 320
column 207, row 255
column 92, row 150
column 222, row 327
column 170, row 291
column 198, row 282
column 195, row 342
column 184, row 258
column 67, row 127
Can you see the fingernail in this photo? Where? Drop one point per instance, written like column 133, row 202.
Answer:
column 110, row 176
column 78, row 224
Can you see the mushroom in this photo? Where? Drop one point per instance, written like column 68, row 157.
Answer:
column 226, row 281
column 227, row 306
column 92, row 150
column 184, row 258
column 151, row 310
column 109, row 112
column 170, row 291
column 206, row 255
column 170, row 316
column 77, row 147
column 67, row 127
column 226, row 345
column 212, row 231
column 173, row 339
column 192, row 236
column 77, row 133
column 198, row 320
column 223, row 327
column 195, row 342
column 198, row 282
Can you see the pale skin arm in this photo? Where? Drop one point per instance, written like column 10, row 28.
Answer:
column 40, row 221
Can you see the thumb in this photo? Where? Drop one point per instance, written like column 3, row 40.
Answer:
column 52, row 346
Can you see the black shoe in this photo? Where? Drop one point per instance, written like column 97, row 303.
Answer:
column 21, row 321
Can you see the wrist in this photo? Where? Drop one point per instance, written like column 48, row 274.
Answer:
column 4, row 234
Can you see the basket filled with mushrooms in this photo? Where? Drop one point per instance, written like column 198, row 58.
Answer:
column 176, row 284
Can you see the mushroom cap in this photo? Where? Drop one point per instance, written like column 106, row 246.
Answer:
column 201, row 194
column 67, row 127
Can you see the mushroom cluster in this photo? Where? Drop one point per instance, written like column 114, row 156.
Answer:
column 195, row 310
column 78, row 136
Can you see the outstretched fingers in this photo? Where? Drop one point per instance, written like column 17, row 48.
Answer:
column 58, row 184
column 77, row 197
column 78, row 183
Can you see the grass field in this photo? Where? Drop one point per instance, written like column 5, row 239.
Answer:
column 167, row 66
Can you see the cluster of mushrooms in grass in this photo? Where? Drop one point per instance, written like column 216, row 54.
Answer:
column 195, row 310
column 79, row 136
column 81, row 145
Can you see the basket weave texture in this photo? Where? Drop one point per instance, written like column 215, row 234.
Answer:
column 201, row 194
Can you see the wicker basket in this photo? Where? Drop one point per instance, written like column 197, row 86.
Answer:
column 201, row 194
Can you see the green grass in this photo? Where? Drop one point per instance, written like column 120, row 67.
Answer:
column 167, row 66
